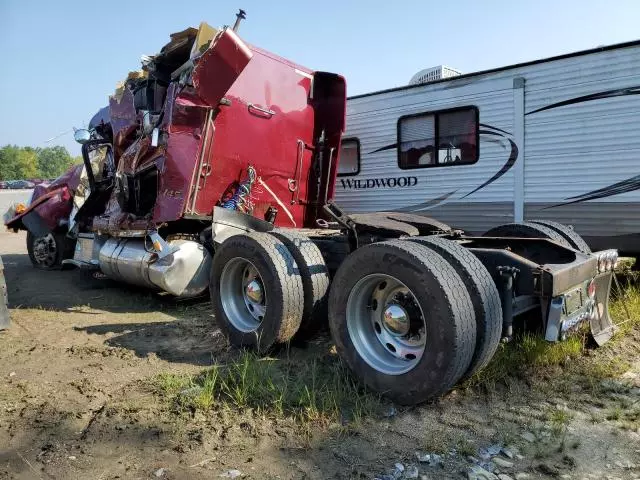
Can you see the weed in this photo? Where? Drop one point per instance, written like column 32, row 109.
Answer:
column 464, row 447
column 559, row 418
column 614, row 414
column 318, row 391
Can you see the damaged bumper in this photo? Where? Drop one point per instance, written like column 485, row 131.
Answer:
column 579, row 294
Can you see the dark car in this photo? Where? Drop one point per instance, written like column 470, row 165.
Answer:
column 18, row 184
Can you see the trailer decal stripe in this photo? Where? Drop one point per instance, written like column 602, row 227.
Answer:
column 382, row 149
column 426, row 205
column 624, row 186
column 484, row 125
column 513, row 156
column 618, row 92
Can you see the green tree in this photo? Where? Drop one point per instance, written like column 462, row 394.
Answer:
column 27, row 163
column 9, row 162
column 53, row 161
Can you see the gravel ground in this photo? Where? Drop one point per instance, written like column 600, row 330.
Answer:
column 76, row 401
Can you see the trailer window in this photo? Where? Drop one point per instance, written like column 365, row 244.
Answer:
column 349, row 162
column 438, row 139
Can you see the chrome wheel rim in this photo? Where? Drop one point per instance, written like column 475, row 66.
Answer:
column 242, row 294
column 386, row 324
column 45, row 250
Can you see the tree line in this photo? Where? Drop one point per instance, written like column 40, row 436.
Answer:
column 24, row 163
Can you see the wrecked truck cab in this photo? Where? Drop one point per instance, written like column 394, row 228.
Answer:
column 222, row 160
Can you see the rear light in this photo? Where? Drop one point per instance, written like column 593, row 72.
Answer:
column 607, row 260
column 591, row 289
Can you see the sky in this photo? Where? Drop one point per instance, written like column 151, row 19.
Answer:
column 62, row 59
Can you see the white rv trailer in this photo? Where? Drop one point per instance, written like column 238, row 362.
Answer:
column 554, row 139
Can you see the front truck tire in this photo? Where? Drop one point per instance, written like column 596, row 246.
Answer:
column 315, row 280
column 256, row 291
column 402, row 320
column 48, row 251
column 567, row 232
column 484, row 296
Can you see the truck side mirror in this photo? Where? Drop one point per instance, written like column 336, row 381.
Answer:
column 82, row 136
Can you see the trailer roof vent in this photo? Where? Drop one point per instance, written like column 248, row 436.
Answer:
column 434, row 73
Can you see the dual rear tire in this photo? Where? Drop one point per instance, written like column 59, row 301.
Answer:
column 266, row 287
column 409, row 318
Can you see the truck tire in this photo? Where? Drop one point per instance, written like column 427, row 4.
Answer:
column 567, row 232
column 402, row 320
column 527, row 230
column 256, row 291
column 315, row 279
column 48, row 251
column 484, row 296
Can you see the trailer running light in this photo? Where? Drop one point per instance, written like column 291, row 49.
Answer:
column 607, row 260
column 591, row 289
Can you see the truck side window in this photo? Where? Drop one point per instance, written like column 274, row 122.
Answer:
column 349, row 162
column 438, row 139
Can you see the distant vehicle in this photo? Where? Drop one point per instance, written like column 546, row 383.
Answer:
column 19, row 184
column 3, row 185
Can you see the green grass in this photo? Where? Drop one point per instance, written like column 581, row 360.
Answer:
column 530, row 355
column 322, row 390
column 524, row 354
column 319, row 390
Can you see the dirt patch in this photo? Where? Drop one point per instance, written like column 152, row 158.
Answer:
column 86, row 391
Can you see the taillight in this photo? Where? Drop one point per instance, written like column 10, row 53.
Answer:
column 591, row 289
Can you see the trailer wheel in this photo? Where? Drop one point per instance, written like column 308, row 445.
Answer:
column 484, row 296
column 48, row 251
column 567, row 232
column 527, row 230
column 256, row 291
column 402, row 320
column 315, row 279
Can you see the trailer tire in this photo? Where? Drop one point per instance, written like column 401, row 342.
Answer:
column 445, row 311
column 315, row 279
column 484, row 296
column 62, row 246
column 527, row 230
column 270, row 311
column 567, row 232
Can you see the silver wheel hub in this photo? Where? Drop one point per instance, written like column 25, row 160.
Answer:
column 242, row 294
column 396, row 320
column 44, row 250
column 253, row 292
column 386, row 324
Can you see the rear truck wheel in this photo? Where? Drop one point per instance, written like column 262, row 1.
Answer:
column 484, row 296
column 402, row 320
column 527, row 230
column 315, row 279
column 256, row 291
column 567, row 232
column 48, row 251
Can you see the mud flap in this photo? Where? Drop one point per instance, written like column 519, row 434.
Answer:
column 4, row 310
column 601, row 327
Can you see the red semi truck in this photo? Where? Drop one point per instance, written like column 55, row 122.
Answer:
column 213, row 168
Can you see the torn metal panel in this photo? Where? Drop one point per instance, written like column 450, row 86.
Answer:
column 219, row 66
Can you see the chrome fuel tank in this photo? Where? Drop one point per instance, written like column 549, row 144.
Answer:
column 183, row 273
